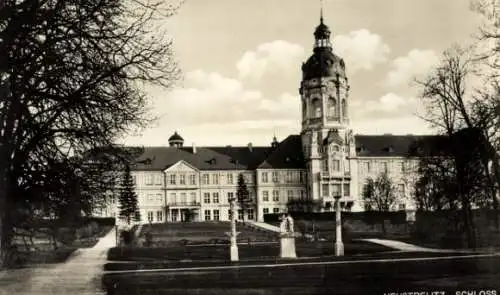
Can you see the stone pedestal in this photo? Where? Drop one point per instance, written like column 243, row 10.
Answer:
column 234, row 253
column 287, row 249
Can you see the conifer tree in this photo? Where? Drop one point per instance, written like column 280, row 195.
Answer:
column 243, row 195
column 129, row 210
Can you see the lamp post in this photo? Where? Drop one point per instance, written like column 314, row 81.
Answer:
column 232, row 234
column 339, row 245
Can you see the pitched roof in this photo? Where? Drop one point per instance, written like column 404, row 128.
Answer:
column 288, row 155
column 396, row 145
column 205, row 158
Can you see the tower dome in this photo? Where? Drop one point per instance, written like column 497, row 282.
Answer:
column 175, row 140
column 323, row 62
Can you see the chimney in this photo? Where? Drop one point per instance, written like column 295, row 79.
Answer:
column 194, row 148
column 250, row 146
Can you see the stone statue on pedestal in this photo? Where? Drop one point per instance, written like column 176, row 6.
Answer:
column 287, row 237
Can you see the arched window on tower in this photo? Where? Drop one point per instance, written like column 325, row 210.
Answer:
column 316, row 108
column 344, row 108
column 332, row 107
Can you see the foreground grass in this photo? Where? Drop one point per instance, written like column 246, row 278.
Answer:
column 358, row 278
column 141, row 265
column 246, row 251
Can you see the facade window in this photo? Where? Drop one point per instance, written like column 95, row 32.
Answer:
column 402, row 207
column 346, row 190
column 276, row 196
column 207, row 215
column 265, row 177
column 229, row 215
column 215, row 178
column 336, row 165
column 172, row 198
column 289, row 176
column 302, row 177
column 403, row 167
column 150, row 216
column 159, row 197
column 159, row 179
column 248, row 178
column 230, row 179
column 265, row 196
column 265, row 210
column 401, row 189
column 385, row 167
column 336, row 190
column 172, row 179
column 150, row 197
column 193, row 198
column 205, row 178
column 325, row 189
column 216, row 198
column 206, row 198
column 134, row 179
column 367, row 166
column 240, row 214
column 275, row 177
column 149, row 179
column 159, row 216
column 182, row 179
column 302, row 194
column 276, row 210
column 183, row 198
column 290, row 195
column 230, row 196
column 192, row 179
column 112, row 199
column 324, row 165
column 216, row 215
column 250, row 214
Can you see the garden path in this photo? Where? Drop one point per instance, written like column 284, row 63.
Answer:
column 80, row 274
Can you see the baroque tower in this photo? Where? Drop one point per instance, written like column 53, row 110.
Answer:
column 327, row 140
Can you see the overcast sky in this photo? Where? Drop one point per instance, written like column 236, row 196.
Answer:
column 241, row 65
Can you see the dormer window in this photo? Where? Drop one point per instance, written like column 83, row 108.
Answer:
column 212, row 161
column 389, row 149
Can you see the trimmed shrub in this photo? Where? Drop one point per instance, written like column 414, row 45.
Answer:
column 127, row 237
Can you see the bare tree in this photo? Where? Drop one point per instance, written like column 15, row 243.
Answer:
column 460, row 115
column 380, row 194
column 71, row 78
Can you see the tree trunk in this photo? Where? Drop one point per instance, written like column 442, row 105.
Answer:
column 469, row 225
column 5, row 222
column 496, row 172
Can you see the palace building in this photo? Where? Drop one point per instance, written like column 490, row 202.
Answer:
column 179, row 183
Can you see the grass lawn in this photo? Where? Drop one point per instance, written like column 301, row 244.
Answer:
column 246, row 251
column 202, row 233
column 357, row 278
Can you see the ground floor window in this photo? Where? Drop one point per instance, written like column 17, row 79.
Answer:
column 216, row 215
column 150, row 216
column 276, row 210
column 265, row 210
column 240, row 214
column 402, row 206
column 159, row 216
column 207, row 215
column 174, row 215
column 250, row 214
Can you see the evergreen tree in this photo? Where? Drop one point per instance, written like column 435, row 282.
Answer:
column 243, row 195
column 129, row 210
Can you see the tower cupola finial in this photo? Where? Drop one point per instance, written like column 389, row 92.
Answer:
column 321, row 12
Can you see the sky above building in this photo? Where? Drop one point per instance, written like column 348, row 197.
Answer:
column 241, row 65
